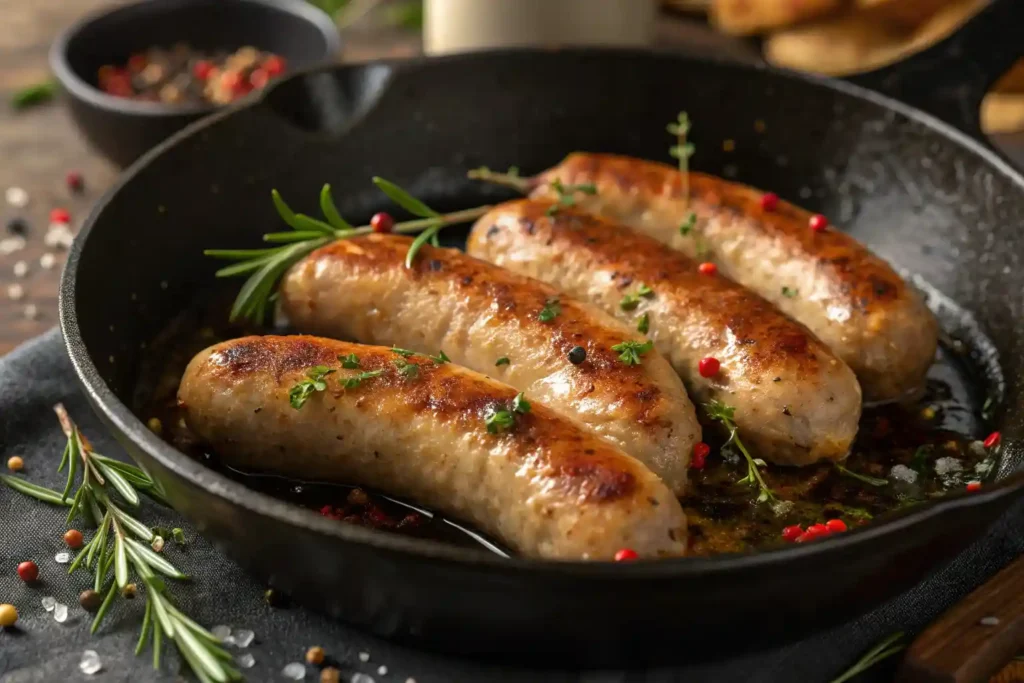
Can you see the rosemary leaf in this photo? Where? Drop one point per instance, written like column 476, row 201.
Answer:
column 76, row 503
column 73, row 457
column 418, row 243
column 120, row 561
column 104, row 608
column 404, row 199
column 160, row 610
column 299, row 221
column 64, row 458
column 157, row 638
column 293, row 236
column 147, row 620
column 132, row 524
column 238, row 254
column 872, row 481
column 153, row 559
column 99, row 540
column 117, row 480
column 38, row 492
column 330, row 211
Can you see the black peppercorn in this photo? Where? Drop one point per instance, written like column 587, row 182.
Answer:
column 90, row 600
column 577, row 355
column 17, row 226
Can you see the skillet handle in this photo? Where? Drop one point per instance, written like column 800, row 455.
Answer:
column 975, row 638
column 950, row 78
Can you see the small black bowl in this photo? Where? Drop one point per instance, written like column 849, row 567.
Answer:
column 123, row 129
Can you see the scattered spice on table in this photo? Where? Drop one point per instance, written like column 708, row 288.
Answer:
column 28, row 571
column 185, row 75
column 15, row 463
column 34, row 94
column 8, row 616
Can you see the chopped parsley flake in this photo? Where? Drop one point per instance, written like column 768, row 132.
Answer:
column 644, row 324
column 314, row 381
column 356, row 380
column 349, row 362
column 502, row 361
column 552, row 308
column 630, row 351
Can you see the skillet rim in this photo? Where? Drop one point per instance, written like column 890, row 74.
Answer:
column 213, row 483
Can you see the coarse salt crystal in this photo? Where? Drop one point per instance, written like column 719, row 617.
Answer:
column 903, row 473
column 364, row 656
column 246, row 660
column 20, row 269
column 58, row 235
column 944, row 466
column 410, row 680
column 60, row 613
column 62, row 558
column 221, row 632
column 15, row 292
column 989, row 621
column 295, row 671
column 9, row 245
column 16, row 197
column 47, row 261
column 31, row 311
column 359, row 677
column 48, row 602
column 90, row 663
column 382, row 670
column 243, row 637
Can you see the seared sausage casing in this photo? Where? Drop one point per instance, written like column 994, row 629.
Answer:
column 796, row 402
column 477, row 313
column 851, row 299
column 546, row 487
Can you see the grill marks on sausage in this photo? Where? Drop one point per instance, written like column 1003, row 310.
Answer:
column 578, row 462
column 863, row 278
column 631, row 257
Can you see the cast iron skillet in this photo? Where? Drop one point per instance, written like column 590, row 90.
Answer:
column 930, row 198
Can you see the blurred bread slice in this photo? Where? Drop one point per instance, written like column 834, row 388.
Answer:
column 944, row 22
column 836, row 47
column 746, row 17
column 907, row 13
column 1012, row 80
column 1002, row 113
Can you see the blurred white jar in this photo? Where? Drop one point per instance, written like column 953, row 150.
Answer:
column 461, row 25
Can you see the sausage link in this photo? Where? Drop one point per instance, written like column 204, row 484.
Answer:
column 796, row 402
column 360, row 289
column 850, row 298
column 544, row 486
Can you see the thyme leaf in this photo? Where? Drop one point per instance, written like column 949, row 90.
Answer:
column 630, row 351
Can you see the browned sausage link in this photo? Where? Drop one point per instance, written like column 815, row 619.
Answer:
column 361, row 289
column 795, row 402
column 851, row 299
column 544, row 485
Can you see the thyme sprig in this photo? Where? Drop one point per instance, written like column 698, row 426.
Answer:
column 720, row 412
column 122, row 547
column 264, row 268
column 883, row 650
column 682, row 151
column 566, row 194
column 872, row 481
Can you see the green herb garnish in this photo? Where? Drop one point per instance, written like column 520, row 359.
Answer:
column 644, row 324
column 264, row 268
column 567, row 194
column 314, row 381
column 629, row 302
column 349, row 362
column 552, row 308
column 720, row 412
column 789, row 292
column 356, row 380
column 630, row 351
column 34, row 94
column 886, row 648
column 502, row 361
column 645, row 291
column 407, row 369
column 520, row 404
column 120, row 550
column 873, row 481
column 682, row 151
column 499, row 420
column 403, row 352
column 687, row 226
column 440, row 358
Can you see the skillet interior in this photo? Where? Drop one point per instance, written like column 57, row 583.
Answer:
column 922, row 196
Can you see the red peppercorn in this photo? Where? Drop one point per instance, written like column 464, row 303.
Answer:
column 625, row 555
column 707, row 268
column 835, row 525
column 769, row 201
column 73, row 537
column 700, row 454
column 818, row 222
column 382, row 222
column 708, row 367
column 993, row 440
column 28, row 571
column 803, row 538
column 59, row 215
column 258, row 78
column 274, row 65
column 791, row 533
column 973, row 486
column 817, row 531
column 74, row 181
column 137, row 62
column 201, row 70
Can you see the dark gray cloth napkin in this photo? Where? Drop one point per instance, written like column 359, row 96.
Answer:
column 38, row 374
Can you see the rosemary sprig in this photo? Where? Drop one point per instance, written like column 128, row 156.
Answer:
column 121, row 547
column 567, row 194
column 510, row 178
column 720, row 412
column 264, row 268
column 34, row 94
column 873, row 481
column 886, row 648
